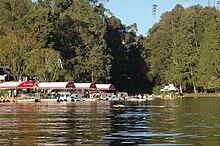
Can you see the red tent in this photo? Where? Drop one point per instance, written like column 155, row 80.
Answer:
column 13, row 85
column 27, row 84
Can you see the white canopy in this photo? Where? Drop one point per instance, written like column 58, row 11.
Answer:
column 169, row 88
column 90, row 86
column 56, row 85
column 9, row 84
column 172, row 88
column 105, row 87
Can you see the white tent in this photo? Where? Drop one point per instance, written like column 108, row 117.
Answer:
column 105, row 87
column 171, row 87
column 88, row 86
column 56, row 85
column 9, row 85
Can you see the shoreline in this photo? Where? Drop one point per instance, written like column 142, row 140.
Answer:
column 200, row 95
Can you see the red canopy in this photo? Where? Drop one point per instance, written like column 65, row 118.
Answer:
column 13, row 85
column 27, row 84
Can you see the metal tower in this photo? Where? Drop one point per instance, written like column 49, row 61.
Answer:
column 186, row 3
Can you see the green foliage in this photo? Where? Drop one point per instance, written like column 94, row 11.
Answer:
column 14, row 45
column 209, row 66
column 43, row 64
column 82, row 41
column 184, row 48
column 161, row 43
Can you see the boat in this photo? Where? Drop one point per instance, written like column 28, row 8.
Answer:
column 9, row 100
column 88, row 99
column 25, row 100
column 135, row 99
column 151, row 97
column 118, row 105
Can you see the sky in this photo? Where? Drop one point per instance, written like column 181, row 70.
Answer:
column 140, row 11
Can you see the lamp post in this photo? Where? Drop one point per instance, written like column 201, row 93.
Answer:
column 92, row 77
column 130, row 84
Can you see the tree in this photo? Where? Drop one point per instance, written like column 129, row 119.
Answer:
column 14, row 45
column 116, row 47
column 11, row 12
column 160, row 43
column 186, row 53
column 43, row 64
column 80, row 39
column 209, row 63
column 40, row 23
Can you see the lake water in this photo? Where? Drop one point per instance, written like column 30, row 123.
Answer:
column 194, row 121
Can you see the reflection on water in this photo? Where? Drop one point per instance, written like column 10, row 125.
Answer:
column 159, row 122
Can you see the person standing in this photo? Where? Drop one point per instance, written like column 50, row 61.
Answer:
column 15, row 93
column 9, row 93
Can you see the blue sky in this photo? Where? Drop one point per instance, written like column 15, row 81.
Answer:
column 140, row 11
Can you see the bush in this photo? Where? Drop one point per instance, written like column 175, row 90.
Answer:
column 156, row 89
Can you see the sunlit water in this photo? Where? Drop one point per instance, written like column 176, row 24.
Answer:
column 159, row 122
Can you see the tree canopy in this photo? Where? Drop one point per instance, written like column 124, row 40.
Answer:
column 182, row 46
column 82, row 41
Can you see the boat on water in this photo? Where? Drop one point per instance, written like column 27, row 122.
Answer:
column 140, row 97
column 118, row 105
column 8, row 100
column 25, row 100
column 135, row 99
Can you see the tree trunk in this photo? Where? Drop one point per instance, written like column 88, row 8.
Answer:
column 194, row 88
column 181, row 89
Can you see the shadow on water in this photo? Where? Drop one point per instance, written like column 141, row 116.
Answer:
column 159, row 122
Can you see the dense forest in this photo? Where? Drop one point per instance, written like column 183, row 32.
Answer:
column 82, row 41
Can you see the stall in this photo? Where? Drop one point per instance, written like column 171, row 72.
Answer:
column 106, row 91
column 60, row 91
column 29, row 88
column 105, row 87
column 85, row 90
column 169, row 92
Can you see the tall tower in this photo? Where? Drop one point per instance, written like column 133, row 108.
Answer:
column 186, row 4
column 154, row 10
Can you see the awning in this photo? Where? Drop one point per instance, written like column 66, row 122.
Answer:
column 13, row 85
column 169, row 88
column 27, row 84
column 56, row 85
column 105, row 87
column 9, row 85
column 88, row 86
column 172, row 88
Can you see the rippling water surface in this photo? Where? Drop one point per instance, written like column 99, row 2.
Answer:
column 159, row 122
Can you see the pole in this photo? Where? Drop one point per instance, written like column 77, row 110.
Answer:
column 92, row 77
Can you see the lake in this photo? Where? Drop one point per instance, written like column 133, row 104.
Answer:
column 193, row 121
